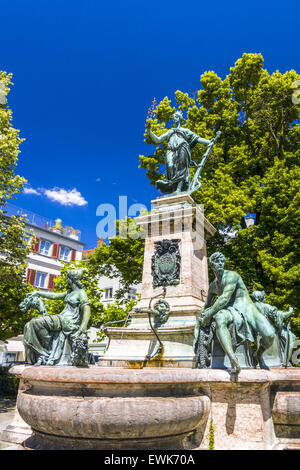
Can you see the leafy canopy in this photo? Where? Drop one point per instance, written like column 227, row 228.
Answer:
column 254, row 168
column 13, row 246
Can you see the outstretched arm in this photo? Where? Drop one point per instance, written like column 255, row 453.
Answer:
column 285, row 315
column 203, row 141
column 158, row 140
column 211, row 142
column 52, row 295
column 143, row 310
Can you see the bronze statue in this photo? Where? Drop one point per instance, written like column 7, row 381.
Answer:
column 277, row 319
column 228, row 303
column 178, row 157
column 160, row 314
column 59, row 339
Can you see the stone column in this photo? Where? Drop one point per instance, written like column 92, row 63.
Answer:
column 181, row 220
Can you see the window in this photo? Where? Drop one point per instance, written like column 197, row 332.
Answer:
column 108, row 293
column 45, row 247
column 132, row 293
column 64, row 253
column 40, row 279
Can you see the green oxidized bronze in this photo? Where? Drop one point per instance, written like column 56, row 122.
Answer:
column 160, row 314
column 178, row 157
column 230, row 311
column 166, row 263
column 276, row 317
column 58, row 339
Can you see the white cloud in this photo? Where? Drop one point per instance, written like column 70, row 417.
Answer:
column 70, row 197
column 31, row 191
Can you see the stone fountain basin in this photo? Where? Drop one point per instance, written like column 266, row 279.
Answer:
column 84, row 407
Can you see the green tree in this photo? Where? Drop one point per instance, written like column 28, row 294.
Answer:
column 254, row 168
column 122, row 258
column 13, row 246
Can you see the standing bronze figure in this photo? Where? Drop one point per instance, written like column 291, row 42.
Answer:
column 178, row 157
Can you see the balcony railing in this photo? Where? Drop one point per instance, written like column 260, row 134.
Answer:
column 43, row 222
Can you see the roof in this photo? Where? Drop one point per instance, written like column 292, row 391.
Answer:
column 14, row 346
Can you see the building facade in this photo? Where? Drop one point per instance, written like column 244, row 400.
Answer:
column 51, row 244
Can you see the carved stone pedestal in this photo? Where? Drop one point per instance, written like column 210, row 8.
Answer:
column 175, row 269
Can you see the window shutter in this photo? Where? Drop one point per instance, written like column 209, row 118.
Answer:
column 55, row 251
column 31, row 276
column 73, row 255
column 51, row 281
column 35, row 247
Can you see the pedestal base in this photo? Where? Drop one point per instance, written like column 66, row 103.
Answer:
column 175, row 271
column 40, row 441
column 133, row 345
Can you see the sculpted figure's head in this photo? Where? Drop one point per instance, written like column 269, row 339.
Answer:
column 177, row 117
column 162, row 309
column 217, row 261
column 258, row 296
column 74, row 277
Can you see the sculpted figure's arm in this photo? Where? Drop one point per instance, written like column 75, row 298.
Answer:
column 85, row 318
column 193, row 136
column 157, row 140
column 51, row 295
column 288, row 314
column 143, row 310
column 224, row 299
column 86, row 313
column 203, row 141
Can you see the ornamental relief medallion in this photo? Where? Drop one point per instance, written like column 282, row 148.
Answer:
column 166, row 263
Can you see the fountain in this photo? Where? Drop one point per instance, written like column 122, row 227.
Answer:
column 170, row 374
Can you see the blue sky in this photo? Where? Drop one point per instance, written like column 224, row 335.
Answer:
column 85, row 74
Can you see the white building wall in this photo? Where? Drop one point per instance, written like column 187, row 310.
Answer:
column 106, row 283
column 2, row 350
column 47, row 263
column 95, row 347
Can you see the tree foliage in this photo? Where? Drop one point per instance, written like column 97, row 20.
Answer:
column 100, row 313
column 13, row 246
column 254, row 168
column 122, row 258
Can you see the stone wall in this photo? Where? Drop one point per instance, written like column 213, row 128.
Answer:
column 159, row 408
